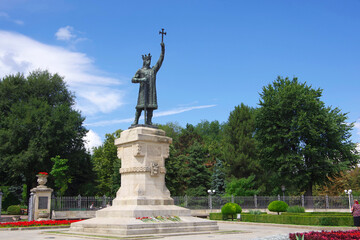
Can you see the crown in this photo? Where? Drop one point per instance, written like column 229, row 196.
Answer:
column 146, row 57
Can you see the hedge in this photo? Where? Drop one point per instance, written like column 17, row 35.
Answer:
column 14, row 210
column 298, row 219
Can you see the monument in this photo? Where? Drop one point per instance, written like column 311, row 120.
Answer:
column 42, row 198
column 143, row 204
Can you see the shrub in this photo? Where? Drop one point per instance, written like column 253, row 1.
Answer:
column 296, row 209
column 278, row 206
column 14, row 210
column 230, row 209
column 255, row 212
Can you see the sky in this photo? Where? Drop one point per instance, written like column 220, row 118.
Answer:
column 219, row 53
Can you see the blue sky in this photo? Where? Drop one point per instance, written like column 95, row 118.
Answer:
column 218, row 53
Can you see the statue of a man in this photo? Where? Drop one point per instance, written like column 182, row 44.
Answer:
column 146, row 76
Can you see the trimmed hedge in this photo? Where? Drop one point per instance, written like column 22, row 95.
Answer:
column 297, row 219
column 14, row 210
column 278, row 206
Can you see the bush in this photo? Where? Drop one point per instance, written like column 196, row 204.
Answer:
column 255, row 212
column 296, row 209
column 300, row 219
column 230, row 209
column 14, row 210
column 278, row 206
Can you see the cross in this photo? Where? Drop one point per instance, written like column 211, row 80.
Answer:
column 162, row 34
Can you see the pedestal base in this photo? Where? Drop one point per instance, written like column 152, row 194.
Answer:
column 121, row 221
column 143, row 192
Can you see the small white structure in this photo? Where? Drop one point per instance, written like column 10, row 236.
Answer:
column 143, row 204
column 42, row 201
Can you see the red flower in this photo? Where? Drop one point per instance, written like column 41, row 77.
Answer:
column 43, row 173
column 37, row 223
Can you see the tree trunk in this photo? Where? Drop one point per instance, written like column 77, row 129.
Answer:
column 309, row 201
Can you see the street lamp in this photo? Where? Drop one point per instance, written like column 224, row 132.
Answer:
column 210, row 192
column 283, row 190
column 348, row 192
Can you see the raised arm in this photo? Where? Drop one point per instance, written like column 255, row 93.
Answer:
column 161, row 58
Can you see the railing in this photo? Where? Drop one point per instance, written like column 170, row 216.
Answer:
column 80, row 203
column 209, row 202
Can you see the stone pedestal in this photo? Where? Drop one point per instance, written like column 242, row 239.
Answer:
column 42, row 201
column 143, row 192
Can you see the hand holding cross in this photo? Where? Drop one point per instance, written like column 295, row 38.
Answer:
column 162, row 34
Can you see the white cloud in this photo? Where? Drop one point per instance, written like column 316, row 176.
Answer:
column 357, row 126
column 65, row 33
column 19, row 53
column 158, row 114
column 6, row 16
column 92, row 140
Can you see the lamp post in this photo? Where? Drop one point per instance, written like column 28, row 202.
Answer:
column 283, row 190
column 348, row 192
column 210, row 192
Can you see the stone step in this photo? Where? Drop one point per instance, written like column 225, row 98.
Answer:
column 147, row 230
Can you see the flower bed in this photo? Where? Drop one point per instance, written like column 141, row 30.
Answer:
column 37, row 223
column 333, row 235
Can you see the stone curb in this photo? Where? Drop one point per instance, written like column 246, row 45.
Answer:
column 32, row 228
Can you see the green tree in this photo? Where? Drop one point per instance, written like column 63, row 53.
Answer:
column 60, row 174
column 187, row 168
column 240, row 148
column 38, row 122
column 242, row 187
column 218, row 178
column 302, row 142
column 107, row 165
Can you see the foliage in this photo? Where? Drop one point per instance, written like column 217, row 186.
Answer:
column 278, row 206
column 107, row 165
column 14, row 210
column 242, row 187
column 60, row 174
column 187, row 167
column 230, row 209
column 37, row 122
column 255, row 212
column 301, row 140
column 240, row 147
column 327, row 235
column 218, row 178
column 296, row 209
column 11, row 196
column 298, row 219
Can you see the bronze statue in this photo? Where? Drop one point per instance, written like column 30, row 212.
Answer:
column 146, row 76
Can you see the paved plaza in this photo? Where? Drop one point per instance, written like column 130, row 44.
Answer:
column 239, row 230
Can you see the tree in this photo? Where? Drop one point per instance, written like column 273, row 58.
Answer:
column 107, row 165
column 302, row 142
column 240, row 148
column 38, row 122
column 242, row 187
column 60, row 174
column 218, row 178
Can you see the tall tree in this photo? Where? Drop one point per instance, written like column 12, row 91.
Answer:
column 106, row 166
column 302, row 142
column 240, row 148
column 38, row 122
column 60, row 174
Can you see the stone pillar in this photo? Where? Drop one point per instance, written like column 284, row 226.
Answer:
column 0, row 201
column 42, row 198
column 143, row 152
